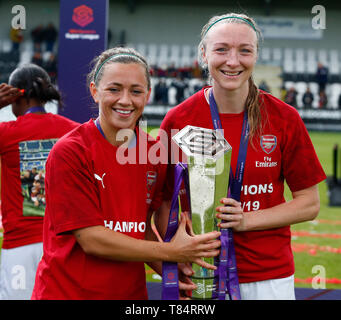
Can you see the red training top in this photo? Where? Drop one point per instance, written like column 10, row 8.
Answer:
column 88, row 183
column 24, row 144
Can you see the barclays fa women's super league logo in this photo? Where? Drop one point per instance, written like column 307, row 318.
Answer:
column 82, row 15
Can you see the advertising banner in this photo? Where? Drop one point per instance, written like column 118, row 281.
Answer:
column 288, row 28
column 82, row 36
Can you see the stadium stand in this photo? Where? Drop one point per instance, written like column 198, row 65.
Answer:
column 175, row 58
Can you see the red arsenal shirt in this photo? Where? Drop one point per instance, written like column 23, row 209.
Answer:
column 283, row 152
column 89, row 182
column 24, row 146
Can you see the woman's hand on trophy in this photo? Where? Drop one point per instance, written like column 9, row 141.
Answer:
column 231, row 215
column 185, row 282
column 193, row 248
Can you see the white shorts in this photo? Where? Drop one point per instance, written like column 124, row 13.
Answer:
column 18, row 270
column 274, row 289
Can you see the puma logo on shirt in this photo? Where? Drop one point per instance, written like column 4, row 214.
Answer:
column 100, row 178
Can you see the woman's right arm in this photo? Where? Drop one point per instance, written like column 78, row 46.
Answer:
column 74, row 206
column 103, row 242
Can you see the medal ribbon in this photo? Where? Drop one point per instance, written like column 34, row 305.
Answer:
column 35, row 109
column 170, row 279
column 99, row 127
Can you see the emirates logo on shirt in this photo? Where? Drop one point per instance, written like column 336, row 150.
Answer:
column 268, row 143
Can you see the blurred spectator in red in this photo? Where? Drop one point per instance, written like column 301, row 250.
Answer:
column 291, row 97
column 161, row 71
column 185, row 72
column 172, row 72
column 323, row 100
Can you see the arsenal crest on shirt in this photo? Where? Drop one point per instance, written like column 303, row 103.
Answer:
column 268, row 143
column 151, row 180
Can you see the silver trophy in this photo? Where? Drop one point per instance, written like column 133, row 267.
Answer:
column 208, row 160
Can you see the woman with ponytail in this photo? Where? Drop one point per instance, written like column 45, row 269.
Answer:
column 24, row 146
column 97, row 228
column 276, row 147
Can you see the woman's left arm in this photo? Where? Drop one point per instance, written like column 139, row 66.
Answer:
column 304, row 206
column 151, row 236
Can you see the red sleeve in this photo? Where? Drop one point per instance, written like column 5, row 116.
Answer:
column 3, row 136
column 159, row 188
column 71, row 194
column 301, row 166
column 165, row 137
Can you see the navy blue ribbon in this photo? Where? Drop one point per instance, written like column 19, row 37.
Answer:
column 170, row 278
column 99, row 127
column 35, row 109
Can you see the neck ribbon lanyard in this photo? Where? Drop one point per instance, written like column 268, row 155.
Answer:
column 226, row 274
column 227, row 269
column 170, row 279
column 98, row 125
column 35, row 109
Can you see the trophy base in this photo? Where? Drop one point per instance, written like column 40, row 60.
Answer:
column 206, row 289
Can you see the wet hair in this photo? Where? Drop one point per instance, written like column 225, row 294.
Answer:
column 114, row 55
column 36, row 83
column 253, row 103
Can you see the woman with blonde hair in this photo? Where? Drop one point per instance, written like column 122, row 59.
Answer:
column 270, row 145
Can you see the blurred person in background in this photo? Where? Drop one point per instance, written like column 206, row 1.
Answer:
column 29, row 89
column 323, row 100
column 50, row 34
column 307, row 99
column 16, row 37
column 291, row 97
column 37, row 35
column 322, row 76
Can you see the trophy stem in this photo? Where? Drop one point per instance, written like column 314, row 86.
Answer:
column 208, row 162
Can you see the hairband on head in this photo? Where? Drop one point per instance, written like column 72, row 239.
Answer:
column 231, row 17
column 112, row 57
